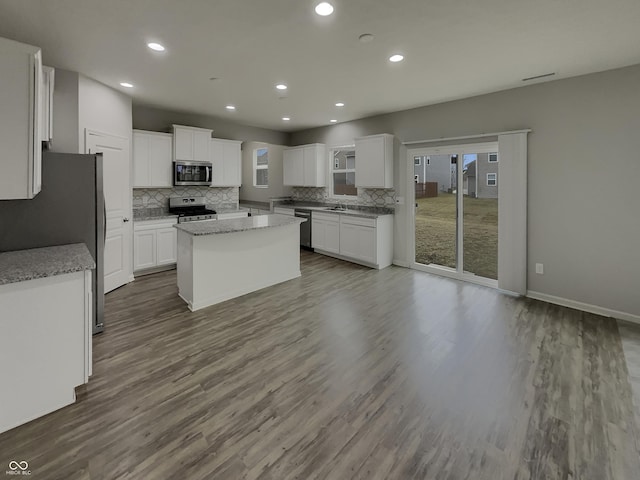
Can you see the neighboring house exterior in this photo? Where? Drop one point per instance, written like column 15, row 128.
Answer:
column 481, row 176
column 433, row 168
column 469, row 179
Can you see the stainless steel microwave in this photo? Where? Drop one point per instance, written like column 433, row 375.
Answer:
column 192, row 173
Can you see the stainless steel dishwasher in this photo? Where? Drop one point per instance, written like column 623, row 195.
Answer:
column 305, row 227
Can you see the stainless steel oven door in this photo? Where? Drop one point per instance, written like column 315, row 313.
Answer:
column 192, row 173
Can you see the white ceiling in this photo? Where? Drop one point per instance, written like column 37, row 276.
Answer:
column 453, row 49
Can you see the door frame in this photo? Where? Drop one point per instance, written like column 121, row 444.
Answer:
column 129, row 208
column 459, row 149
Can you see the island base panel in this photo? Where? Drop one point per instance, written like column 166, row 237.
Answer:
column 216, row 268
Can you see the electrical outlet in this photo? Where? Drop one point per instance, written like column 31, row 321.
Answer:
column 539, row 268
column 400, row 200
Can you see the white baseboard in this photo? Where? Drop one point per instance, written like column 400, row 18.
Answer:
column 585, row 307
column 400, row 263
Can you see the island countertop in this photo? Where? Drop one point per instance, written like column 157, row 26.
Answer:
column 214, row 227
column 23, row 265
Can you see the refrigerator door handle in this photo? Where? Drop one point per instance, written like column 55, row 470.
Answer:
column 104, row 218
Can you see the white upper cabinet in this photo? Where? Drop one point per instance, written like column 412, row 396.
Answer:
column 374, row 161
column 152, row 166
column 292, row 167
column 226, row 157
column 191, row 143
column 46, row 113
column 20, row 120
column 305, row 165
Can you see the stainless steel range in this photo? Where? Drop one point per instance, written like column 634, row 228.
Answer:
column 190, row 209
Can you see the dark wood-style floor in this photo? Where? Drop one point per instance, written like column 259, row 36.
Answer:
column 344, row 373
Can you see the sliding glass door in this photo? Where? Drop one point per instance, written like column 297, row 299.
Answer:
column 456, row 214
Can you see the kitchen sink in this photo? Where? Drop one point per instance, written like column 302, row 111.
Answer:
column 337, row 209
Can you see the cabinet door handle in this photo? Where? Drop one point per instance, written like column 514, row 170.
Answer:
column 125, row 219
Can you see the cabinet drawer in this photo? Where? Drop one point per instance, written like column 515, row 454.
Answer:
column 283, row 211
column 363, row 222
column 153, row 224
column 327, row 217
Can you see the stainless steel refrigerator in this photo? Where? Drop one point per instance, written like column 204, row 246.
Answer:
column 69, row 209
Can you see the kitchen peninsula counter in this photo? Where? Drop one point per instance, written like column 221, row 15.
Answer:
column 223, row 259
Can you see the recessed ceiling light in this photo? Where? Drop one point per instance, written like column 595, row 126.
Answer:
column 286, row 119
column 281, row 86
column 126, row 84
column 339, row 104
column 230, row 107
column 323, row 9
column 333, row 121
column 396, row 58
column 155, row 46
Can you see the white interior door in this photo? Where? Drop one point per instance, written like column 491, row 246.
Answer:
column 117, row 196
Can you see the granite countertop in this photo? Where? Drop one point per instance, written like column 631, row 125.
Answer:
column 153, row 213
column 252, row 204
column 23, row 265
column 352, row 210
column 230, row 210
column 214, row 227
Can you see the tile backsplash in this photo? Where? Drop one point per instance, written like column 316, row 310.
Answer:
column 159, row 197
column 373, row 197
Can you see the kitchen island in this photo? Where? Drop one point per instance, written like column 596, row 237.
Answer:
column 223, row 259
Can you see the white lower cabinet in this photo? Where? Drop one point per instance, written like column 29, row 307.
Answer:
column 368, row 241
column 325, row 232
column 144, row 249
column 155, row 244
column 45, row 346
column 358, row 239
column 166, row 246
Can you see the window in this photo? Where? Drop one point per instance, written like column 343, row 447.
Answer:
column 417, row 161
column 493, row 157
column 492, row 179
column 343, row 172
column 261, row 167
column 416, row 178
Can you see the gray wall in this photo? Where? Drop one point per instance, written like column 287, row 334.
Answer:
column 65, row 112
column 584, row 165
column 250, row 193
column 160, row 120
column 79, row 103
column 103, row 109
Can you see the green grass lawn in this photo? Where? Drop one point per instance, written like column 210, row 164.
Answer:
column 436, row 233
